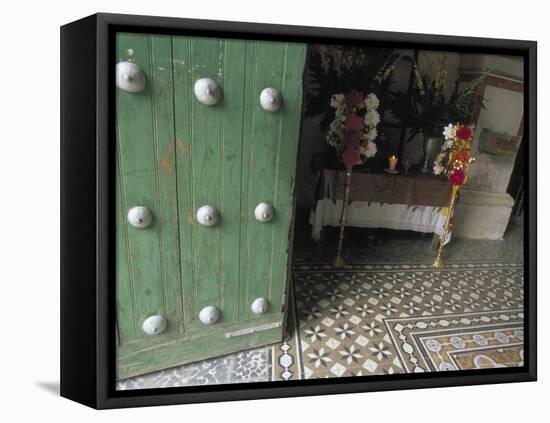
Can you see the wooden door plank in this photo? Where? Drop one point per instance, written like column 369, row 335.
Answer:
column 263, row 166
column 233, row 68
column 289, row 135
column 206, row 144
column 162, row 87
column 125, row 302
column 249, row 111
column 183, row 102
column 137, row 153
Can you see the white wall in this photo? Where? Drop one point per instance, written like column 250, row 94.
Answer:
column 503, row 113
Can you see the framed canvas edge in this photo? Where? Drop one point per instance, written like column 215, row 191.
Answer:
column 102, row 368
column 78, row 169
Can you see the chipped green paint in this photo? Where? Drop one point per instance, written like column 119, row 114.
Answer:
column 174, row 155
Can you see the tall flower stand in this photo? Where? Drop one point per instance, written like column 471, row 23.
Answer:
column 446, row 227
column 339, row 260
column 454, row 160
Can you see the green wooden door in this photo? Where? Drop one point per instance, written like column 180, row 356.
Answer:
column 174, row 155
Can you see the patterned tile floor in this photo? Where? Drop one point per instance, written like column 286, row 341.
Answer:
column 387, row 311
column 390, row 318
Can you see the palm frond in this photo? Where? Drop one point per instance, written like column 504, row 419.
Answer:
column 427, row 109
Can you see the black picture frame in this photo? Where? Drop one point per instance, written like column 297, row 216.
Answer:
column 87, row 215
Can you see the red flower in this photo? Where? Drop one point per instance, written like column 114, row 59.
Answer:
column 351, row 156
column 464, row 133
column 457, row 177
column 354, row 123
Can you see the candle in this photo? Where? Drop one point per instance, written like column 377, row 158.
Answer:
column 393, row 162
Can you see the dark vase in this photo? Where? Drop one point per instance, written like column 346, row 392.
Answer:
column 432, row 146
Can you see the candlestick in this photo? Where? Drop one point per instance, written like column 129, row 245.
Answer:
column 393, row 162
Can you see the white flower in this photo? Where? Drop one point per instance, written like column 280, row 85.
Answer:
column 449, row 131
column 372, row 102
column 371, row 135
column 438, row 168
column 370, row 149
column 337, row 100
column 372, row 118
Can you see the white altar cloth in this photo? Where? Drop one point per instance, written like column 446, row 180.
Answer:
column 376, row 215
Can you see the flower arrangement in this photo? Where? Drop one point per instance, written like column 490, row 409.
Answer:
column 453, row 161
column 455, row 156
column 353, row 131
column 427, row 108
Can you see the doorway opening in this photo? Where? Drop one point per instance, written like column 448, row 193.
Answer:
column 384, row 308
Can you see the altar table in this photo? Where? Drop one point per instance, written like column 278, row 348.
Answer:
column 404, row 201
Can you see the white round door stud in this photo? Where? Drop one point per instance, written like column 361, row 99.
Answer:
column 260, row 305
column 207, row 216
column 129, row 77
column 271, row 100
column 140, row 217
column 209, row 315
column 207, row 91
column 263, row 212
column 154, row 325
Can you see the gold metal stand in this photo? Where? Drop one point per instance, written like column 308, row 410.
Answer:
column 339, row 260
column 446, row 227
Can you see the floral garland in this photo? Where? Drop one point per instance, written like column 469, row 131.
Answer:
column 353, row 130
column 456, row 154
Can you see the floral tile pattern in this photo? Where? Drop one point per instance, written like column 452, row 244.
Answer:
column 505, row 356
column 459, row 341
column 385, row 318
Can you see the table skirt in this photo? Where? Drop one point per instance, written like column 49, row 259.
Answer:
column 376, row 215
